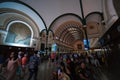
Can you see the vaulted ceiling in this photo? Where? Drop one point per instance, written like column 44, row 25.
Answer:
column 67, row 19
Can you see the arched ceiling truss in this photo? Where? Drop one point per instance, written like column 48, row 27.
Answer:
column 69, row 32
column 68, row 28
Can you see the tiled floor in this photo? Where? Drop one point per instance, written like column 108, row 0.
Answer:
column 100, row 75
column 44, row 73
column 46, row 69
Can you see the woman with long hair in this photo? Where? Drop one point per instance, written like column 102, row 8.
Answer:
column 12, row 66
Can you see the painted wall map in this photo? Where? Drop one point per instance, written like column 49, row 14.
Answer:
column 18, row 33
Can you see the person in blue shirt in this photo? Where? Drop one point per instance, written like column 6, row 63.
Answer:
column 33, row 66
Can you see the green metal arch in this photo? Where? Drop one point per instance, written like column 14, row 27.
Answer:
column 99, row 13
column 47, row 32
column 65, row 15
column 43, row 31
column 20, row 2
column 51, row 31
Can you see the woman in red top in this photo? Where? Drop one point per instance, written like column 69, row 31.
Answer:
column 24, row 63
column 52, row 57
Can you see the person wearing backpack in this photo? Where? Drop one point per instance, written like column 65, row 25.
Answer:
column 33, row 66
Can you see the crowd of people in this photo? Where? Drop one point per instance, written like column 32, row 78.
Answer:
column 17, row 64
column 68, row 66
column 77, row 66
